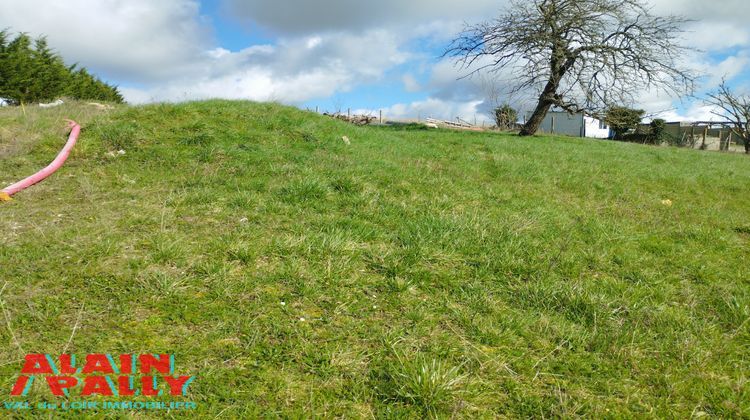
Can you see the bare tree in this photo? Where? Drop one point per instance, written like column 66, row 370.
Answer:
column 496, row 104
column 492, row 91
column 578, row 55
column 735, row 109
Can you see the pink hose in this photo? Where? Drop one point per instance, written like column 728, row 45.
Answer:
column 7, row 192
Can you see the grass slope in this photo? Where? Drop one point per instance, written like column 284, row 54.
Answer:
column 411, row 273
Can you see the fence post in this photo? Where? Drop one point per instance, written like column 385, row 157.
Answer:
column 729, row 141
column 381, row 116
column 705, row 133
column 692, row 138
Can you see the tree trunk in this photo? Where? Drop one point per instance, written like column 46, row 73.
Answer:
column 532, row 125
column 747, row 146
column 546, row 99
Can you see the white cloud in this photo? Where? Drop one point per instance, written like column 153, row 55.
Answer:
column 712, row 35
column 433, row 108
column 293, row 71
column 130, row 39
column 696, row 112
column 410, row 83
column 715, row 24
column 724, row 10
column 258, row 84
column 729, row 68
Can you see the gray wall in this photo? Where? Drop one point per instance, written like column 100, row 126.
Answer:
column 564, row 123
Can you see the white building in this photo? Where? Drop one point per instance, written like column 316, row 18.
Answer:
column 576, row 125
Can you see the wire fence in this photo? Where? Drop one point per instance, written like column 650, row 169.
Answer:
column 704, row 137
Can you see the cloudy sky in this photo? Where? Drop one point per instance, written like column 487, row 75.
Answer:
column 331, row 54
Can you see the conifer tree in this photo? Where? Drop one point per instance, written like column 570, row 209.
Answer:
column 50, row 73
column 33, row 72
column 3, row 62
column 18, row 79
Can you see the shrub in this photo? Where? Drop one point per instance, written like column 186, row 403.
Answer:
column 506, row 117
column 658, row 131
column 623, row 120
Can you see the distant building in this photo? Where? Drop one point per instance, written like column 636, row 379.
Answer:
column 680, row 124
column 576, row 125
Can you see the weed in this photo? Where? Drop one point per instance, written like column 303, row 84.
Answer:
column 428, row 384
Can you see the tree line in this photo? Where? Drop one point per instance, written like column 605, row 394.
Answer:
column 30, row 72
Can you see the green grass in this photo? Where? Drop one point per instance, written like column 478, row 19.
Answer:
column 412, row 273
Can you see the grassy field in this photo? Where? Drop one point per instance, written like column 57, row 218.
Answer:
column 412, row 273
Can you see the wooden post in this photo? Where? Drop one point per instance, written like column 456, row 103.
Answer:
column 552, row 128
column 705, row 133
column 316, row 110
column 381, row 116
column 692, row 137
column 349, row 112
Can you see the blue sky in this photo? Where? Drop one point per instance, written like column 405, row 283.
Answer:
column 230, row 33
column 333, row 54
column 235, row 35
